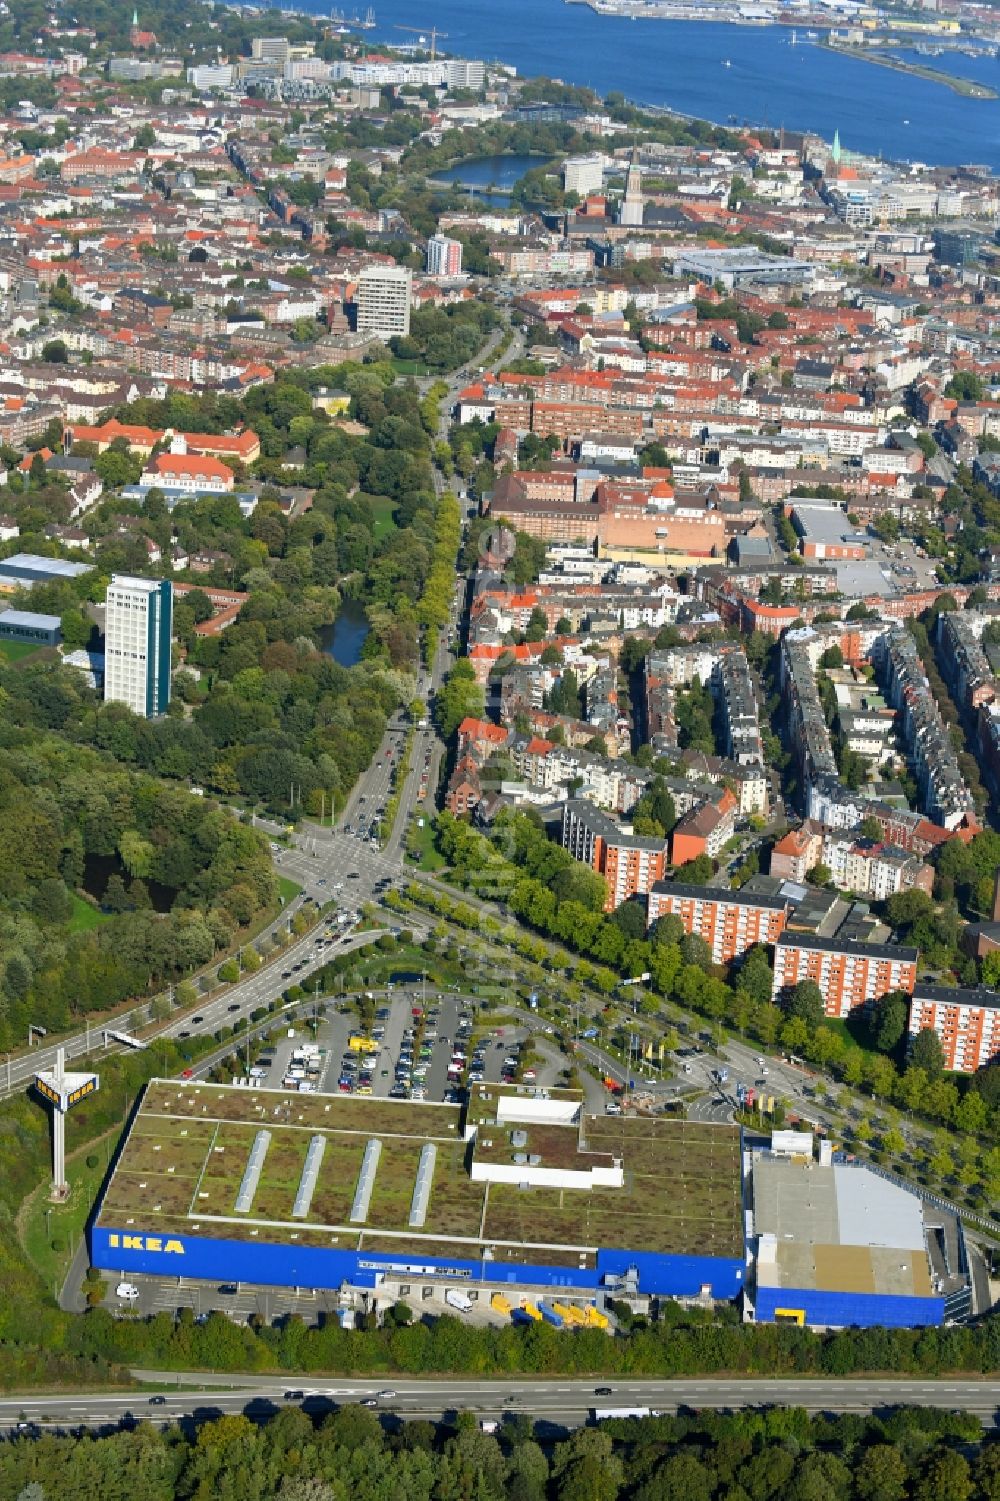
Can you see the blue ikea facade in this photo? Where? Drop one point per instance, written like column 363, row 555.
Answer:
column 283, row 1264
column 840, row 1309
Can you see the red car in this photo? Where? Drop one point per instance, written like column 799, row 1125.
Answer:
column 188, row 1073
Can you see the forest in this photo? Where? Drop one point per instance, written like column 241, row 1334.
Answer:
column 348, row 1455
column 72, row 815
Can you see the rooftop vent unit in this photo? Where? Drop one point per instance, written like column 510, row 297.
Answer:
column 422, row 1187
column 366, row 1180
column 310, row 1172
column 252, row 1172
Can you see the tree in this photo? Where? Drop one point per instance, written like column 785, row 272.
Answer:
column 460, row 697
column 55, row 352
column 926, row 1053
column 669, row 929
column 965, row 385
column 565, row 697
column 76, row 629
column 832, row 657
column 696, row 871
column 880, row 1474
column 755, row 976
column 806, row 1001
column 630, row 916
column 944, row 1476
column 538, row 626
column 694, row 950
column 886, row 1021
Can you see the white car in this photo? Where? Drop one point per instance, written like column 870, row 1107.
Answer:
column 128, row 1291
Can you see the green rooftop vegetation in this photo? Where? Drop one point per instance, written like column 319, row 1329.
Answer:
column 184, row 1162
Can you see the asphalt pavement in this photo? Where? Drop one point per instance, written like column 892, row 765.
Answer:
column 557, row 1401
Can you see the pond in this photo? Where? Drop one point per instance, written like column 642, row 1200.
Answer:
column 495, row 173
column 344, row 637
column 98, row 870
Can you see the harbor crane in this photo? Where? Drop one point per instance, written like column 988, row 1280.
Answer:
column 423, row 36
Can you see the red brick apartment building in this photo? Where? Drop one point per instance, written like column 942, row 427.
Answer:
column 849, row 974
column 966, row 1021
column 704, row 830
column 629, row 864
column 729, row 922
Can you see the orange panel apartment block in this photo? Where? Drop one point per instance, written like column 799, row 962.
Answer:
column 729, row 922
column 629, row 864
column 849, row 974
column 966, row 1021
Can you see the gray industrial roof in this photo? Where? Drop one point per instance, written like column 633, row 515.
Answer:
column 31, row 619
column 30, row 563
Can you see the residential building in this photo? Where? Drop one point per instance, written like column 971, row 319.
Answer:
column 583, row 175
column 138, row 628
column 444, row 256
column 629, row 864
column 383, row 301
column 871, row 868
column 943, row 790
column 795, row 854
column 704, row 830
column 731, row 922
column 849, row 974
column 966, row 1021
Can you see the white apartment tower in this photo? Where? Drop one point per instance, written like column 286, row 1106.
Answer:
column 137, row 635
column 444, row 256
column 383, row 301
column 583, row 174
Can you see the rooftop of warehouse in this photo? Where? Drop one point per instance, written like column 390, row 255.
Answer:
column 182, row 1166
column 839, row 1228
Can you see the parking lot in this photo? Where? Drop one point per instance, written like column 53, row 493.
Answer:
column 419, row 1046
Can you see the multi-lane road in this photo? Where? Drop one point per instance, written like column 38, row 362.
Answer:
column 559, row 1402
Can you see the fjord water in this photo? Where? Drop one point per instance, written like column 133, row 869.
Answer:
column 680, row 64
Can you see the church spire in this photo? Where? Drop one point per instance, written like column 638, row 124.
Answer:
column 836, row 147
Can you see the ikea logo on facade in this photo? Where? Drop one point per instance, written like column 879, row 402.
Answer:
column 145, row 1243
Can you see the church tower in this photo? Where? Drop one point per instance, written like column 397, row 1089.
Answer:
column 632, row 206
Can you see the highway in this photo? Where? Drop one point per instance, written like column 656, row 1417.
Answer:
column 556, row 1401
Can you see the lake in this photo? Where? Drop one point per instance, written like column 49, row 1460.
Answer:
column 345, row 636
column 496, row 173
column 680, row 64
